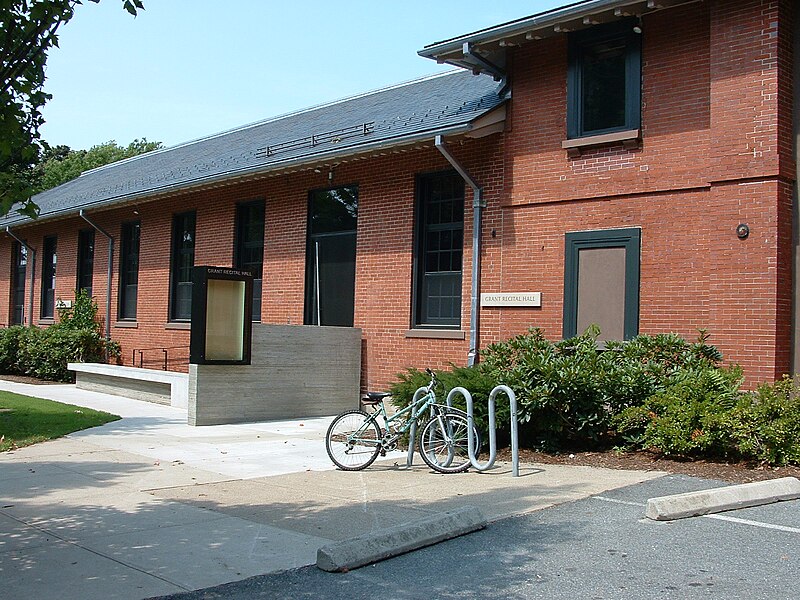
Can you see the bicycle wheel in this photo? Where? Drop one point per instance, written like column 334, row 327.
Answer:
column 353, row 440
column 444, row 445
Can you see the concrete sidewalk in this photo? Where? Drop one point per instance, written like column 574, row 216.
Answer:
column 149, row 506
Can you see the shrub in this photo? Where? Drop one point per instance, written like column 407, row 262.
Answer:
column 44, row 353
column 765, row 425
column 569, row 391
column 9, row 349
column 687, row 418
column 473, row 379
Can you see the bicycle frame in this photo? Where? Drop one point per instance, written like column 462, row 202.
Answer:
column 411, row 413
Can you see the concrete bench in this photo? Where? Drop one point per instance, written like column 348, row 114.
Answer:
column 160, row 387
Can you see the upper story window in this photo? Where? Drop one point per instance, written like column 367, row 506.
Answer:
column 129, row 269
column 604, row 80
column 439, row 248
column 49, row 278
column 183, row 229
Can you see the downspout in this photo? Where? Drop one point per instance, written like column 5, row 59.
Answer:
column 32, row 264
column 109, row 271
column 478, row 204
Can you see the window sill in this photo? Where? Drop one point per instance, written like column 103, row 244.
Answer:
column 438, row 334
column 631, row 140
column 127, row 324
column 178, row 325
column 46, row 321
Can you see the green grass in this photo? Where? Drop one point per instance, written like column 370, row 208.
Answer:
column 25, row 420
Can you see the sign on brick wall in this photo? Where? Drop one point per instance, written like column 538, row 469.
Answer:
column 511, row 299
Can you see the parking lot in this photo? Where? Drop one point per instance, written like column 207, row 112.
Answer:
column 599, row 547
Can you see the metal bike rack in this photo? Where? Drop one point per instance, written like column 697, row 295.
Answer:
column 412, row 434
column 512, row 399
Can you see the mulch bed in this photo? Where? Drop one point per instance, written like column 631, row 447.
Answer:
column 26, row 379
column 650, row 461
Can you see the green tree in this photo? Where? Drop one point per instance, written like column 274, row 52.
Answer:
column 62, row 164
column 28, row 29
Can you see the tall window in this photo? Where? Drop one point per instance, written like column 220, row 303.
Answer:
column 439, row 247
column 85, row 260
column 48, row 278
column 604, row 80
column 331, row 257
column 129, row 269
column 183, row 226
column 18, row 269
column 249, row 251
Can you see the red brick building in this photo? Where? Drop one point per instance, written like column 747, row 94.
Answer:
column 636, row 165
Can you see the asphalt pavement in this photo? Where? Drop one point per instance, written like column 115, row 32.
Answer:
column 598, row 547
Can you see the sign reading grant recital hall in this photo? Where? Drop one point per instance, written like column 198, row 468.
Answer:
column 512, row 299
column 221, row 316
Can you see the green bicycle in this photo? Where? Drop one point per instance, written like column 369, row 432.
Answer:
column 355, row 438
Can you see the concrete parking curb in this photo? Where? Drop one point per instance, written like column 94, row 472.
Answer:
column 374, row 546
column 692, row 504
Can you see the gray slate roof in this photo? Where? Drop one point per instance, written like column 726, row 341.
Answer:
column 387, row 117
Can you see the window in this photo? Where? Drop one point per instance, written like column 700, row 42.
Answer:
column 439, row 246
column 601, row 283
column 129, row 269
column 183, row 226
column 331, row 257
column 604, row 80
column 249, row 250
column 18, row 268
column 48, row 278
column 85, row 260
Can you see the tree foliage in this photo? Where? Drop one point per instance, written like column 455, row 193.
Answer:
column 61, row 164
column 28, row 29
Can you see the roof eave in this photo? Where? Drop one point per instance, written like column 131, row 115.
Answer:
column 559, row 20
column 290, row 164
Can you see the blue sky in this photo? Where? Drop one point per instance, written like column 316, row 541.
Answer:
column 184, row 69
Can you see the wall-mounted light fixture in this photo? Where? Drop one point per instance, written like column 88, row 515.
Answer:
column 742, row 231
column 637, row 28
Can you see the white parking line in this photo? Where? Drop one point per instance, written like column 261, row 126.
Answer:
column 753, row 523
column 717, row 517
column 615, row 501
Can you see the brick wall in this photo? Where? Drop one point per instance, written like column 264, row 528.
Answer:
column 713, row 155
column 714, row 142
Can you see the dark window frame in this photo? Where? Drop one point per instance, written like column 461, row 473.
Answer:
column 578, row 43
column 418, row 271
column 181, row 222
column 19, row 273
column 47, row 306
column 309, row 315
column 239, row 246
column 631, row 240
column 85, row 264
column 124, row 311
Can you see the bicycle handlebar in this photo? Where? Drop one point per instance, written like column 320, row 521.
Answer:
column 433, row 382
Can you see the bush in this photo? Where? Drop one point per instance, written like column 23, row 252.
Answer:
column 473, row 379
column 655, row 392
column 9, row 349
column 569, row 391
column 687, row 418
column 44, row 353
column 765, row 425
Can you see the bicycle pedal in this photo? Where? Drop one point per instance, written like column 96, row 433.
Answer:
column 383, row 452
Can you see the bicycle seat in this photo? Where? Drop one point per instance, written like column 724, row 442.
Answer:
column 374, row 397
